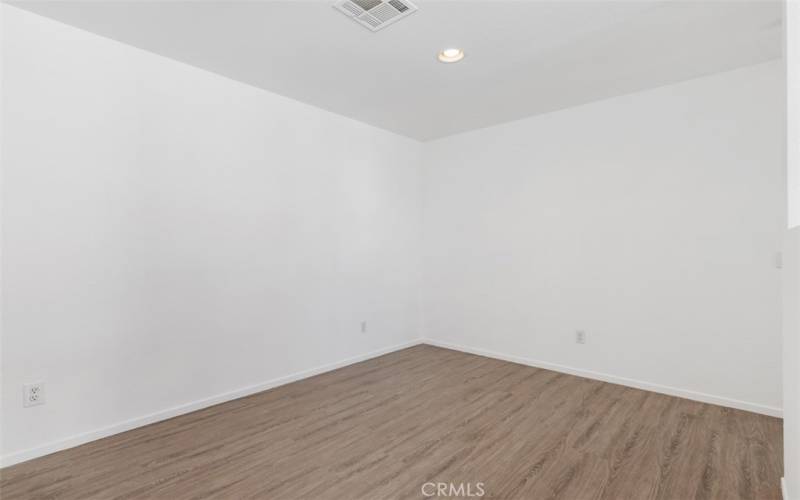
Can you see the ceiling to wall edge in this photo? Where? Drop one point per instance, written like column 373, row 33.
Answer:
column 20, row 5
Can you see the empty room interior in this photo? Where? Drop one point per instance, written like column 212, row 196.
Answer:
column 400, row 249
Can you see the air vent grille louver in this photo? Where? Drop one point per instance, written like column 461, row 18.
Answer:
column 367, row 4
column 352, row 8
column 375, row 14
column 400, row 6
column 384, row 13
column 366, row 18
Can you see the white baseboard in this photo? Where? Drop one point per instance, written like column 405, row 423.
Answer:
column 79, row 439
column 638, row 384
column 784, row 493
column 85, row 437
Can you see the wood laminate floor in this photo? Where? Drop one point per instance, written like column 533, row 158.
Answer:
column 382, row 428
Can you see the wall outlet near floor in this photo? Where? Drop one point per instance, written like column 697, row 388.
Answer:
column 580, row 337
column 363, row 327
column 33, row 394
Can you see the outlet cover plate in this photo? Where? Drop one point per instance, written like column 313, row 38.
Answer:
column 33, row 394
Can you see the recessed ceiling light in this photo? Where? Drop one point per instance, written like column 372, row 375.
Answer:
column 451, row 55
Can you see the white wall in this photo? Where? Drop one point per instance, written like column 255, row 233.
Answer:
column 791, row 278
column 791, row 371
column 170, row 235
column 2, row 79
column 651, row 221
column 792, row 60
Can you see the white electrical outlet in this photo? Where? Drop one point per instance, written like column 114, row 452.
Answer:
column 363, row 327
column 33, row 394
column 580, row 337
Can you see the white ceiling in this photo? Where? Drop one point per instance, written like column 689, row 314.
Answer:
column 523, row 57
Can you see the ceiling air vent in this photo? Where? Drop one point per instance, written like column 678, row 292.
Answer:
column 375, row 14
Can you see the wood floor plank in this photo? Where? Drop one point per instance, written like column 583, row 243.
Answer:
column 383, row 428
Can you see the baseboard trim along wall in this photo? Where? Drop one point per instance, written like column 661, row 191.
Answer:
column 784, row 493
column 86, row 437
column 604, row 377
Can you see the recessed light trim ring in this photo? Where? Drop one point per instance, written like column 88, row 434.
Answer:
column 451, row 55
